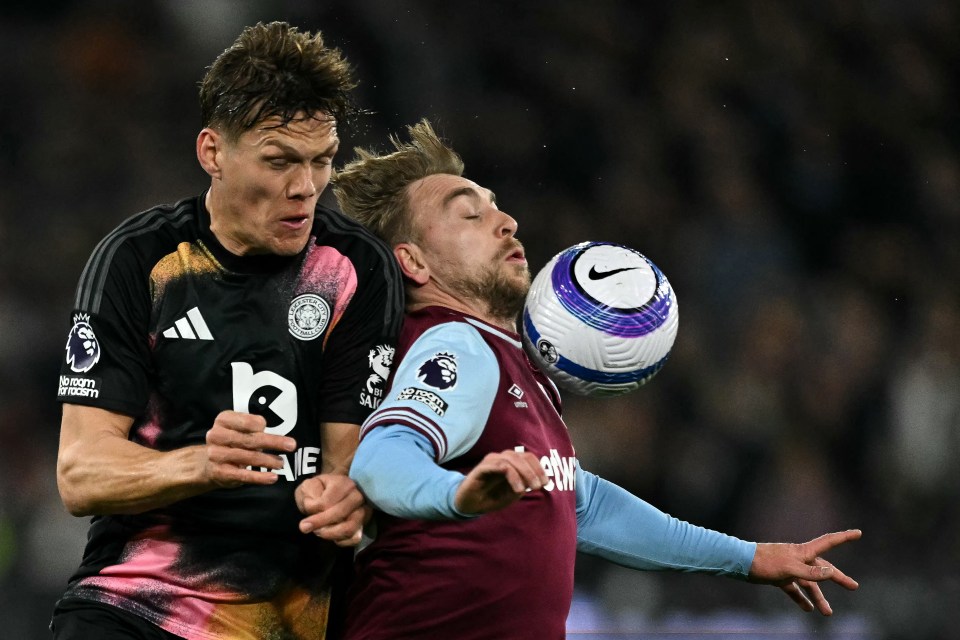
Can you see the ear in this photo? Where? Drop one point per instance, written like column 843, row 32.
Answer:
column 209, row 145
column 411, row 262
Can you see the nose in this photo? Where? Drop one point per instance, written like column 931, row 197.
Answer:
column 303, row 184
column 508, row 226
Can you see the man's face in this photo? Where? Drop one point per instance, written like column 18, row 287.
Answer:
column 469, row 243
column 262, row 200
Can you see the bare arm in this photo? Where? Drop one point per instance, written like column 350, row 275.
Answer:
column 338, row 444
column 335, row 508
column 100, row 471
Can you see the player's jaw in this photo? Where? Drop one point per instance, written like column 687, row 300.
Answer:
column 278, row 225
column 504, row 286
column 291, row 229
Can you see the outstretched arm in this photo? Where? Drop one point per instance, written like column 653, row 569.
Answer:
column 614, row 524
column 618, row 526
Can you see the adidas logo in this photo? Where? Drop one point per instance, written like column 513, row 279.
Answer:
column 190, row 327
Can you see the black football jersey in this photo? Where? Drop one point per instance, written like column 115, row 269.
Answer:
column 171, row 328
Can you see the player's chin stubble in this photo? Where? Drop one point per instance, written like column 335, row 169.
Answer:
column 503, row 293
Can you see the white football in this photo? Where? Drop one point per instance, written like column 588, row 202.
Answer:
column 600, row 319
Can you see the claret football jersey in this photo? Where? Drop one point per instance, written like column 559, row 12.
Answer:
column 469, row 388
column 170, row 328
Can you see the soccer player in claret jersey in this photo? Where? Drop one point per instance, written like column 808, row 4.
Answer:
column 223, row 352
column 482, row 504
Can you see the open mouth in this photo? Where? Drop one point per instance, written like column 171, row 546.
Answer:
column 516, row 255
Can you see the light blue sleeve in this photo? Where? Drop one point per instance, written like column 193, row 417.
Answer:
column 444, row 388
column 620, row 527
column 395, row 470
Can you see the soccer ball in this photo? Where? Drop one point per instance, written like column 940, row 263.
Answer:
column 600, row 319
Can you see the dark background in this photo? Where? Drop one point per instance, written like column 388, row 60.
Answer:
column 794, row 169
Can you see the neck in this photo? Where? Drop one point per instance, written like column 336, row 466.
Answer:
column 217, row 227
column 468, row 307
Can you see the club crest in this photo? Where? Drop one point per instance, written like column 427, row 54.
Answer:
column 308, row 316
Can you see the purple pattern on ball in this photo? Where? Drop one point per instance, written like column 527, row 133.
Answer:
column 625, row 323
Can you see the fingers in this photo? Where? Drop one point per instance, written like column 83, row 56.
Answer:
column 796, row 594
column 230, row 467
column 335, row 509
column 499, row 480
column 236, row 450
column 237, row 446
column 805, row 569
column 819, row 546
column 346, row 533
column 819, row 569
column 522, row 470
column 822, row 570
column 808, row 596
column 816, row 596
column 246, row 431
column 327, row 499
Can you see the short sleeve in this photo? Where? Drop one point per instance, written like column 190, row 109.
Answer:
column 106, row 357
column 359, row 354
column 444, row 388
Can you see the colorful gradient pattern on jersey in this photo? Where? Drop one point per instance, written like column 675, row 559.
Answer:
column 188, row 330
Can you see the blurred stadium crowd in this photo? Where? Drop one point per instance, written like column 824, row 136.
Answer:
column 794, row 168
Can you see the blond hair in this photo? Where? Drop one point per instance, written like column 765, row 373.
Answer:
column 373, row 189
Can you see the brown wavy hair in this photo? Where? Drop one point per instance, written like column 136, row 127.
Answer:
column 276, row 70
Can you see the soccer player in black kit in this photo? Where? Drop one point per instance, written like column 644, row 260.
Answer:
column 222, row 352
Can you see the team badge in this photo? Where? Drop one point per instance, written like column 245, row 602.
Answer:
column 83, row 349
column 308, row 316
column 440, row 371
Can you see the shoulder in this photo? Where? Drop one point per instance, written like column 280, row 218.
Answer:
column 134, row 244
column 454, row 332
column 330, row 224
column 370, row 255
column 165, row 218
column 447, row 343
column 157, row 227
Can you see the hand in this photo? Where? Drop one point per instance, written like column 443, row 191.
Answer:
column 237, row 441
column 498, row 481
column 335, row 508
column 797, row 568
